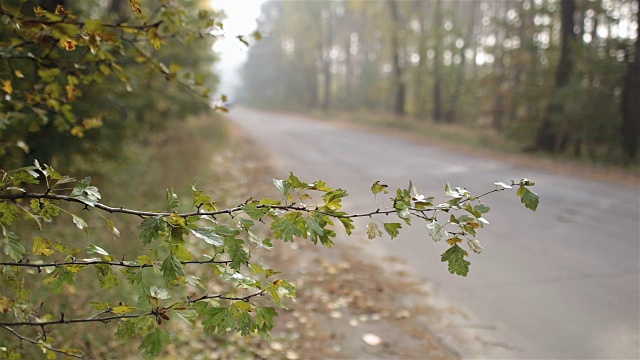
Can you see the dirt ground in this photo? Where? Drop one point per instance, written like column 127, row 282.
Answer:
column 350, row 304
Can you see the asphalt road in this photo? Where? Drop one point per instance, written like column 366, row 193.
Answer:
column 562, row 282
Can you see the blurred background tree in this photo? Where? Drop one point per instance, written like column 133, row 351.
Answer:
column 558, row 76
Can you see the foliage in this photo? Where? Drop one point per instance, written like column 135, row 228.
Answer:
column 78, row 83
column 480, row 63
column 161, row 276
column 76, row 58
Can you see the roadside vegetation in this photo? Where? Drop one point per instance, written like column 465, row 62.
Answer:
column 92, row 266
column 558, row 78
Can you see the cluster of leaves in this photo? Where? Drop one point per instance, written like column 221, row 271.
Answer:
column 54, row 61
column 160, row 277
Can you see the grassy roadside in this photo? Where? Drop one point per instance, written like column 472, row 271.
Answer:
column 480, row 141
column 338, row 302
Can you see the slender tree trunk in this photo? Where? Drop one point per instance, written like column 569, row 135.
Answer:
column 419, row 86
column 327, row 61
column 547, row 137
column 437, row 76
column 451, row 116
column 399, row 87
column 630, row 129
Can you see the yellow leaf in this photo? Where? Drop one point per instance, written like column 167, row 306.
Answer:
column 77, row 131
column 19, row 74
column 92, row 123
column 122, row 309
column 454, row 240
column 72, row 92
column 7, row 86
column 74, row 268
column 68, row 44
column 5, row 304
column 41, row 246
column 144, row 260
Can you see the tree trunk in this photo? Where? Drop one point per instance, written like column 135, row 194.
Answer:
column 419, row 87
column 547, row 136
column 451, row 116
column 327, row 61
column 399, row 87
column 437, row 76
column 630, row 129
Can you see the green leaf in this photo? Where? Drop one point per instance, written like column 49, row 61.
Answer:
column 45, row 208
column 296, row 184
column 172, row 200
column 93, row 25
column 264, row 319
column 377, row 188
column 57, row 279
column 314, row 229
column 454, row 256
column 436, row 231
column 333, row 199
column 153, row 343
column 86, row 193
column 207, row 234
column 112, row 227
column 8, row 213
column 106, row 277
column 150, row 229
column 269, row 202
column 481, row 208
column 402, row 203
column 283, row 186
column 320, row 186
column 392, row 229
column 217, row 319
column 95, row 249
column 189, row 316
column 254, row 211
column 528, row 198
column 348, row 224
column 171, row 268
column 11, row 245
column 200, row 200
column 286, row 229
column 80, row 223
column 236, row 252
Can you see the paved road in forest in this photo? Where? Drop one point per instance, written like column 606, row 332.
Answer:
column 559, row 283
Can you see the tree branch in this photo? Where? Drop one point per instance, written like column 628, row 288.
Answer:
column 40, row 343
column 126, row 264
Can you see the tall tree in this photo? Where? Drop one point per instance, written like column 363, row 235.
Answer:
column 547, row 137
column 630, row 130
column 397, row 56
column 437, row 64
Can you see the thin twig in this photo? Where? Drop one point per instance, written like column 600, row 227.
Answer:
column 40, row 343
column 110, row 263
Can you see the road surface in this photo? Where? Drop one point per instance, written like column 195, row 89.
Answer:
column 559, row 283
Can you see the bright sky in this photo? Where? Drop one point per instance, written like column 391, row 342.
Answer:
column 241, row 20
